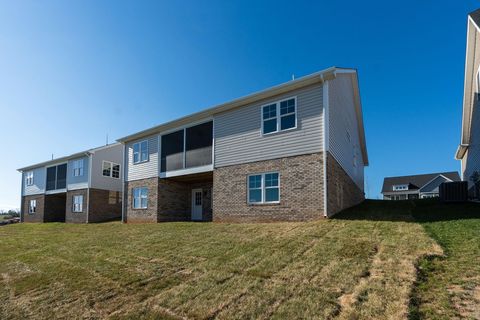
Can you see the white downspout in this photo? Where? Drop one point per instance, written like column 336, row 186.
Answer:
column 325, row 146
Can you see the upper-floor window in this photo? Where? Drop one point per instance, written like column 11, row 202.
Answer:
column 77, row 203
column 111, row 169
column 29, row 178
column 264, row 188
column 400, row 187
column 140, row 151
column 78, row 168
column 279, row 116
column 32, row 207
column 140, row 198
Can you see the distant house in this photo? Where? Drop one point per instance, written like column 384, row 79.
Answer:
column 414, row 187
column 82, row 187
column 468, row 151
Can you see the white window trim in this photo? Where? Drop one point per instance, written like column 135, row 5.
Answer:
column 80, row 204
column 30, row 211
column 111, row 169
column 29, row 178
column 140, row 152
column 400, row 187
column 78, row 168
column 278, row 117
column 263, row 188
column 140, row 202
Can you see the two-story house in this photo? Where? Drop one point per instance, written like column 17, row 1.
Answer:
column 82, row 187
column 468, row 151
column 418, row 186
column 295, row 151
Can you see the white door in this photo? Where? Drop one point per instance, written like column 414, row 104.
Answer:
column 197, row 204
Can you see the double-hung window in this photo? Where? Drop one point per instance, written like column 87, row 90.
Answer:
column 279, row 116
column 264, row 188
column 140, row 198
column 111, row 169
column 32, row 206
column 29, row 178
column 140, row 151
column 78, row 168
column 77, row 203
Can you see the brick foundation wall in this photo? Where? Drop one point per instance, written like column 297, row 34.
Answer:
column 342, row 192
column 301, row 191
column 173, row 201
column 76, row 217
column 38, row 215
column 168, row 200
column 55, row 205
column 104, row 205
column 141, row 215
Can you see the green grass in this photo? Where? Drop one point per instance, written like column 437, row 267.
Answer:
column 361, row 265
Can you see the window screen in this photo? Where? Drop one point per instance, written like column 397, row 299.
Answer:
column 172, row 151
column 198, row 145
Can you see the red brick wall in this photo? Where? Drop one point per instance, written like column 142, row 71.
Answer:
column 104, row 205
column 38, row 216
column 76, row 217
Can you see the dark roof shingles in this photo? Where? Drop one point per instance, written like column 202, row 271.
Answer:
column 418, row 180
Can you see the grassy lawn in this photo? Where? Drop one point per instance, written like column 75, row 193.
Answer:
column 4, row 217
column 361, row 265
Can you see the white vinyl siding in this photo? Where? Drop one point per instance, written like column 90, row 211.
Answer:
column 264, row 188
column 77, row 203
column 140, row 198
column 238, row 133
column 142, row 170
column 344, row 139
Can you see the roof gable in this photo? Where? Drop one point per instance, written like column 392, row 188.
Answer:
column 419, row 181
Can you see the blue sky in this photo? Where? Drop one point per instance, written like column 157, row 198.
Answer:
column 73, row 71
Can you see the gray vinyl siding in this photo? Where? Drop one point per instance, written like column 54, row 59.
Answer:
column 142, row 170
column 433, row 185
column 112, row 154
column 472, row 162
column 39, row 180
column 238, row 133
column 80, row 182
column 342, row 118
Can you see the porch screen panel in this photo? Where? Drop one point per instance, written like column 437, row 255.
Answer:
column 51, row 178
column 172, row 151
column 199, row 145
column 62, row 176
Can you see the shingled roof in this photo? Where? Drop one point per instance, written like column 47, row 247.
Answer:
column 416, row 181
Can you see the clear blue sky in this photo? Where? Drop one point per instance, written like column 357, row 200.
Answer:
column 73, row 71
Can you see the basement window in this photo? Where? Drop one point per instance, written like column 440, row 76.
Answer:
column 279, row 116
column 264, row 188
column 77, row 203
column 140, row 198
column 32, row 207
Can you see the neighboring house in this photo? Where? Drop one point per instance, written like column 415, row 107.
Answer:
column 418, row 186
column 83, row 187
column 295, row 151
column 469, row 149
